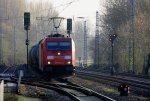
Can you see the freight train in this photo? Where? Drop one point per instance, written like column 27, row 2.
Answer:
column 54, row 55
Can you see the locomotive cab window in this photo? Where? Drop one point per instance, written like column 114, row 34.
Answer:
column 65, row 45
column 59, row 46
column 52, row 45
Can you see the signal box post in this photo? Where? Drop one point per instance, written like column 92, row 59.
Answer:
column 27, row 27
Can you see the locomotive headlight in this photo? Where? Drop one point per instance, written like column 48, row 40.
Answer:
column 58, row 53
column 49, row 62
column 68, row 62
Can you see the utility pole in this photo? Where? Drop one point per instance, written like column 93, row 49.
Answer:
column 85, row 46
column 96, row 59
column 131, row 38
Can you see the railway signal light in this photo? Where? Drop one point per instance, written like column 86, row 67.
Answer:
column 27, row 20
column 69, row 26
column 112, row 37
column 27, row 42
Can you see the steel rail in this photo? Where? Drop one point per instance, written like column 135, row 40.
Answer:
column 69, row 90
column 133, row 75
column 137, row 83
column 134, row 85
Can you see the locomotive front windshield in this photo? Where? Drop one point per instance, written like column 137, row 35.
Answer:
column 59, row 46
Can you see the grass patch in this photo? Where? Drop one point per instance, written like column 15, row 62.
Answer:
column 8, row 97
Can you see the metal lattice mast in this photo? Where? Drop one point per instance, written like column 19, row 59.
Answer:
column 85, row 46
column 131, row 37
column 96, row 59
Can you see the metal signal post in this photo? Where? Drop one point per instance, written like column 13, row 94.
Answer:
column 27, row 27
column 112, row 37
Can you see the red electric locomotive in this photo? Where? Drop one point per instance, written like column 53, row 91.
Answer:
column 54, row 55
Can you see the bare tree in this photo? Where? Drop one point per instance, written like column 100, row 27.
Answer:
column 117, row 20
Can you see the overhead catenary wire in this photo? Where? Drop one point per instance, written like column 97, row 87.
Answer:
column 39, row 11
column 66, row 5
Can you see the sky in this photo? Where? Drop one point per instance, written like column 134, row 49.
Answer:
column 77, row 8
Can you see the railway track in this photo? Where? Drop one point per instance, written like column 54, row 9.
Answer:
column 79, row 93
column 136, row 76
column 73, row 91
column 136, row 86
